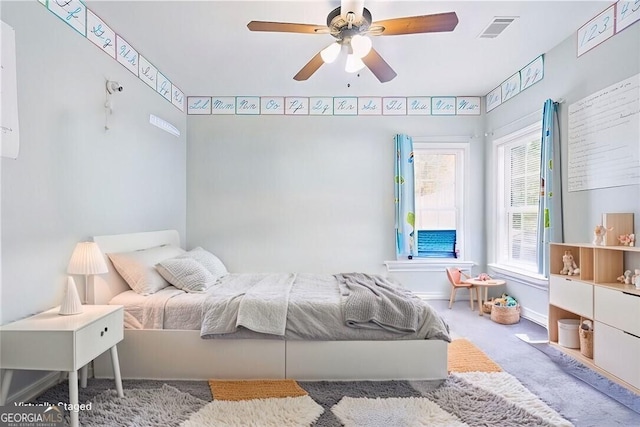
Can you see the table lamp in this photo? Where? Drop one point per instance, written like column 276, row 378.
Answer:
column 87, row 259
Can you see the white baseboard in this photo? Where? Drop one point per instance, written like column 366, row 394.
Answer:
column 534, row 316
column 526, row 313
column 434, row 295
column 33, row 390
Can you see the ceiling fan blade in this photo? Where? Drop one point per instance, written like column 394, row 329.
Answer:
column 418, row 24
column 287, row 27
column 379, row 66
column 310, row 68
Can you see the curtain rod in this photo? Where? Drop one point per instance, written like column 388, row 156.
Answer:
column 559, row 101
column 538, row 112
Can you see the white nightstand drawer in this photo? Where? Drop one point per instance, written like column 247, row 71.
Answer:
column 98, row 337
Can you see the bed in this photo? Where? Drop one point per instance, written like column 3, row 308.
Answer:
column 155, row 348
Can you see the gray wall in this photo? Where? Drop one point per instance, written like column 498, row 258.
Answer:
column 307, row 194
column 570, row 78
column 73, row 179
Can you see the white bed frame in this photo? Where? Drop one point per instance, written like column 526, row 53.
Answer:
column 182, row 354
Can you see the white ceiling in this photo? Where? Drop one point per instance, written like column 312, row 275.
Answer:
column 205, row 48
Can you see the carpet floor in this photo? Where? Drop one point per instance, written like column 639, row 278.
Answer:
column 476, row 393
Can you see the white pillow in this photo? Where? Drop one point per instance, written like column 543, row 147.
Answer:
column 186, row 274
column 208, row 260
column 137, row 268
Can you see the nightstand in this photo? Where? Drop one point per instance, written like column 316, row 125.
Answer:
column 51, row 342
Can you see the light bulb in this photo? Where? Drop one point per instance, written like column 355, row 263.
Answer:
column 354, row 64
column 330, row 53
column 361, row 45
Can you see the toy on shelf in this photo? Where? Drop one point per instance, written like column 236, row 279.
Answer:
column 598, row 234
column 626, row 277
column 570, row 267
column 627, row 239
column 635, row 279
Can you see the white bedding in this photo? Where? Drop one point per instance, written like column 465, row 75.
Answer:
column 314, row 312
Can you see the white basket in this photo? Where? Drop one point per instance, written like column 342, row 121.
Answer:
column 568, row 335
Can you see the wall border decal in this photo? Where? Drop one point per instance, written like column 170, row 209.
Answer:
column 85, row 22
column 334, row 106
column 529, row 75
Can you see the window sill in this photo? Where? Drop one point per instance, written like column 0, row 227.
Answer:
column 526, row 277
column 427, row 264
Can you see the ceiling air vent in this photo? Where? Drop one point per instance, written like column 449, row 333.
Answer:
column 497, row 25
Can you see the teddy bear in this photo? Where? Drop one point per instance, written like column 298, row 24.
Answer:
column 570, row 268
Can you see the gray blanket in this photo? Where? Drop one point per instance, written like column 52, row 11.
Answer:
column 375, row 302
column 258, row 302
column 255, row 306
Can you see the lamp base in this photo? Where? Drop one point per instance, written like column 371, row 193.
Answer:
column 71, row 303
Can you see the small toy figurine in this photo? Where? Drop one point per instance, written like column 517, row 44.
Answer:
column 627, row 239
column 484, row 276
column 598, row 234
column 570, row 267
column 635, row 279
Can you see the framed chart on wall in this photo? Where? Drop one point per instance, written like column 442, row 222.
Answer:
column 604, row 138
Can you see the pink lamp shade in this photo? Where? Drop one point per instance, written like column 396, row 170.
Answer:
column 87, row 259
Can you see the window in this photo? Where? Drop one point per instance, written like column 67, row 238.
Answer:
column 439, row 194
column 518, row 191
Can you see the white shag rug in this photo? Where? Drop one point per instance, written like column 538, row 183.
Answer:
column 393, row 411
column 468, row 399
column 509, row 388
column 273, row 412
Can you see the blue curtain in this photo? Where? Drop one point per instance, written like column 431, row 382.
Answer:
column 550, row 204
column 406, row 235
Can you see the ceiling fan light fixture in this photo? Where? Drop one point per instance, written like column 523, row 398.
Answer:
column 361, row 45
column 354, row 64
column 330, row 53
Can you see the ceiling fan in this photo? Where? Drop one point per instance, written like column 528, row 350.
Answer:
column 351, row 25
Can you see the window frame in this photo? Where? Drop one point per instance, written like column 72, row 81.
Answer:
column 460, row 147
column 501, row 227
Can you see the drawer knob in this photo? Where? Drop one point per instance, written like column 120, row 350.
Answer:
column 106, row 329
column 101, row 333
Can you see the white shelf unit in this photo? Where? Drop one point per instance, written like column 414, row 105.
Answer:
column 595, row 294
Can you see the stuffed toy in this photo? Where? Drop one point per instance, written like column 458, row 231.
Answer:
column 635, row 279
column 624, row 276
column 570, row 267
column 598, row 234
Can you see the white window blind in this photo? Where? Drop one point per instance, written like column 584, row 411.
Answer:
column 518, row 195
column 439, row 196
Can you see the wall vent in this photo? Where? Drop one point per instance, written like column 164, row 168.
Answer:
column 497, row 25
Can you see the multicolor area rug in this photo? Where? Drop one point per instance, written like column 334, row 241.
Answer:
column 476, row 393
column 463, row 356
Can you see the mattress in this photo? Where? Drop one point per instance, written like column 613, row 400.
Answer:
column 314, row 312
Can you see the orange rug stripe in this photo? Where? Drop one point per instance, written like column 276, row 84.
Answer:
column 466, row 357
column 255, row 389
